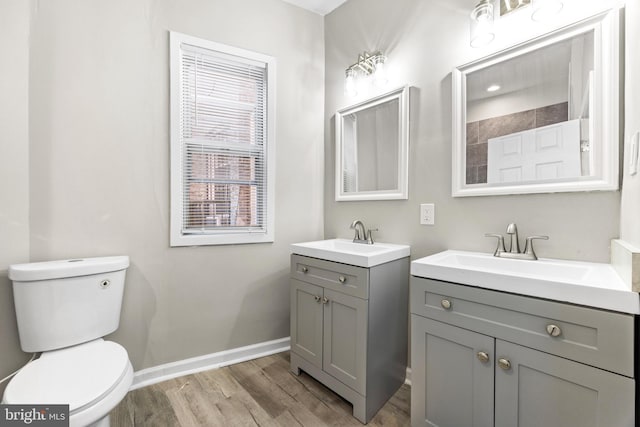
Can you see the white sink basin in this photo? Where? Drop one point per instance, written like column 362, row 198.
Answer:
column 347, row 252
column 585, row 283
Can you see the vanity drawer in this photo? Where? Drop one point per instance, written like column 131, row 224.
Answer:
column 595, row 337
column 347, row 279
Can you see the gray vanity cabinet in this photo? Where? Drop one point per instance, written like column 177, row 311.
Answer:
column 450, row 387
column 306, row 331
column 541, row 389
column 349, row 328
column 330, row 331
column 482, row 358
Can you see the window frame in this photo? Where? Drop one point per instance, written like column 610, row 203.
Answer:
column 218, row 237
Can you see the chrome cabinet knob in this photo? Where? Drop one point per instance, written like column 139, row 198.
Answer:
column 483, row 357
column 304, row 269
column 342, row 279
column 505, row 364
column 446, row 304
column 554, row 330
column 325, row 300
column 317, row 298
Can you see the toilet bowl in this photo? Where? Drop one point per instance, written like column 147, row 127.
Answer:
column 92, row 378
column 63, row 309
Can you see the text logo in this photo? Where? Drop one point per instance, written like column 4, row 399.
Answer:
column 34, row 415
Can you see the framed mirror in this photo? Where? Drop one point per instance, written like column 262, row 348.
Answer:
column 542, row 116
column 372, row 145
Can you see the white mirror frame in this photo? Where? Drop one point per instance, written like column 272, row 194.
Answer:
column 402, row 192
column 606, row 120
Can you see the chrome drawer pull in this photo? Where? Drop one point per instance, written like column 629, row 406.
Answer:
column 483, row 357
column 304, row 269
column 446, row 304
column 505, row 364
column 317, row 298
column 342, row 279
column 554, row 330
column 325, row 300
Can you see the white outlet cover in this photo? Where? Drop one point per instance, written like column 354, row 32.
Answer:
column 427, row 214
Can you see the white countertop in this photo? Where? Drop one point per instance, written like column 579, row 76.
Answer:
column 584, row 283
column 347, row 252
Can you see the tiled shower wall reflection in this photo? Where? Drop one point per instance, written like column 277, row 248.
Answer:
column 479, row 133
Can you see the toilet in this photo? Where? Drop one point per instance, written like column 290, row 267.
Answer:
column 63, row 309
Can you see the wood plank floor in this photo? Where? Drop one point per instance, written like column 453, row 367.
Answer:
column 260, row 392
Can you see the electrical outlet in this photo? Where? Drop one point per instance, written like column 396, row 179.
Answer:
column 427, row 214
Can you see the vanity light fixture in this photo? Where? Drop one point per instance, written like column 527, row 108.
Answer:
column 380, row 78
column 482, row 24
column 368, row 64
column 350, row 83
column 545, row 9
column 508, row 6
column 482, row 16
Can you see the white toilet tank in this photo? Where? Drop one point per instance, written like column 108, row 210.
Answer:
column 68, row 302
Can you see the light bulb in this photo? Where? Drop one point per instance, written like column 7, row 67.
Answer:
column 482, row 24
column 380, row 75
column 545, row 9
column 350, row 87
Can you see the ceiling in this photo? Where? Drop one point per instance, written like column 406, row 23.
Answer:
column 321, row 7
column 532, row 70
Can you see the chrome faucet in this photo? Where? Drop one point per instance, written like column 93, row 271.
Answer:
column 361, row 234
column 514, row 246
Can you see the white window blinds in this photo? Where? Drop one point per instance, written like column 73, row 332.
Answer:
column 222, row 144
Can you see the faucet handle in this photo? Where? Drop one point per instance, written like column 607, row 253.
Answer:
column 528, row 247
column 500, row 248
column 370, row 236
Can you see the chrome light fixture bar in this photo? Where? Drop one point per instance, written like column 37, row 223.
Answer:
column 508, row 6
column 367, row 64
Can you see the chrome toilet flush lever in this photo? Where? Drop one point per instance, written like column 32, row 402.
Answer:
column 514, row 245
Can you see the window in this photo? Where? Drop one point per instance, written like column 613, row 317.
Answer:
column 222, row 143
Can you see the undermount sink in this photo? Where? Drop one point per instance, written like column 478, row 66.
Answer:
column 585, row 283
column 347, row 252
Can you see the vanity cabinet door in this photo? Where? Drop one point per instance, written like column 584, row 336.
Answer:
column 452, row 372
column 345, row 339
column 538, row 389
column 306, row 321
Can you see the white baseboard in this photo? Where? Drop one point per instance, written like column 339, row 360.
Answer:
column 407, row 379
column 192, row 365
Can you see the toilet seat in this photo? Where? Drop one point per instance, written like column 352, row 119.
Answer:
column 81, row 376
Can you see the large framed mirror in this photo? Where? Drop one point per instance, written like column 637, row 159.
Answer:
column 542, row 116
column 372, row 145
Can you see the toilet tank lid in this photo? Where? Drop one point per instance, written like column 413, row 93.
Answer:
column 66, row 268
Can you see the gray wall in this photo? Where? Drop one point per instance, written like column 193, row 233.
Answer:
column 14, row 171
column 96, row 181
column 424, row 41
column 630, row 223
column 99, row 177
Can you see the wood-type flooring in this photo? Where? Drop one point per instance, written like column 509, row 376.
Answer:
column 260, row 392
